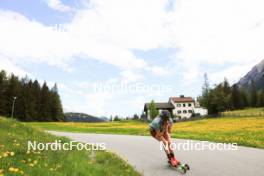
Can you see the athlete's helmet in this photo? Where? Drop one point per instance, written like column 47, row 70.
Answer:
column 165, row 114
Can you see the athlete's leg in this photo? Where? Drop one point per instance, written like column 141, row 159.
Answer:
column 166, row 148
column 167, row 137
column 171, row 155
column 160, row 139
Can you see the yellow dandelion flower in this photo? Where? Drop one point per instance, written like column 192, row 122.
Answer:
column 21, row 172
column 12, row 153
column 1, row 171
column 0, row 157
column 16, row 169
column 31, row 165
column 16, row 144
column 35, row 161
column 5, row 155
column 51, row 169
column 45, row 164
column 23, row 161
column 11, row 169
column 28, row 152
column 1, row 174
column 29, row 159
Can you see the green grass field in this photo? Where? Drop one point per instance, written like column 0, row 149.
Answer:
column 249, row 112
column 246, row 131
column 16, row 160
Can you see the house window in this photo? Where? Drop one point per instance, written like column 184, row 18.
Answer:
column 178, row 105
column 183, row 104
column 184, row 111
column 189, row 104
column 179, row 112
column 190, row 111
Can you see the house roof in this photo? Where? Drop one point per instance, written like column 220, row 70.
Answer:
column 160, row 105
column 182, row 99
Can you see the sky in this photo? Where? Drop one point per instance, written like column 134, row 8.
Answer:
column 109, row 57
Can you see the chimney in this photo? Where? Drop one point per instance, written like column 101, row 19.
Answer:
column 181, row 96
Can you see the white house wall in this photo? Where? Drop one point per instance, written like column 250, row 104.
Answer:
column 201, row 111
column 179, row 106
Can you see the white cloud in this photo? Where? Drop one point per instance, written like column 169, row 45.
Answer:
column 7, row 65
column 83, row 100
column 132, row 24
column 215, row 32
column 129, row 76
column 218, row 32
column 58, row 5
column 209, row 31
column 35, row 42
column 157, row 70
column 233, row 73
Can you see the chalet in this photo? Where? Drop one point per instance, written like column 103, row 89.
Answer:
column 181, row 106
column 184, row 106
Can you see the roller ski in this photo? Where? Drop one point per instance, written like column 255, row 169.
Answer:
column 178, row 166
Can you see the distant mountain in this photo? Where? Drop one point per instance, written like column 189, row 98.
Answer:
column 256, row 74
column 104, row 118
column 81, row 117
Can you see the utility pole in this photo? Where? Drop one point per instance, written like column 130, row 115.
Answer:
column 13, row 106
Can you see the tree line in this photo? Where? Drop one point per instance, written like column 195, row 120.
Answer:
column 34, row 102
column 134, row 117
column 223, row 97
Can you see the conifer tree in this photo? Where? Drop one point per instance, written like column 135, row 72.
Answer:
column 3, row 87
column 13, row 90
column 34, row 102
column 56, row 108
column 236, row 97
column 261, row 98
column 253, row 94
column 45, row 103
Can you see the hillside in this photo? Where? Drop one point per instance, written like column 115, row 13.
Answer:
column 81, row 117
column 16, row 160
column 256, row 74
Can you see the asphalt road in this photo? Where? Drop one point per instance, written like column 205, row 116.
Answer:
column 145, row 155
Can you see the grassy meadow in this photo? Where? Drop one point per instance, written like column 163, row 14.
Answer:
column 256, row 112
column 16, row 160
column 246, row 131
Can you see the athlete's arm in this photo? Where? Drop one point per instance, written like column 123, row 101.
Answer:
column 159, row 135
